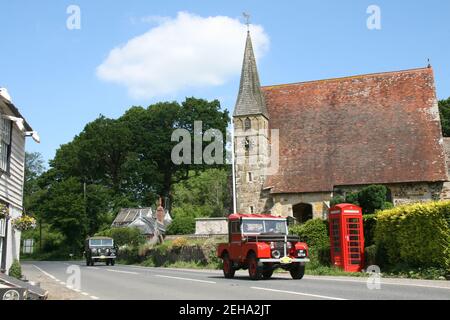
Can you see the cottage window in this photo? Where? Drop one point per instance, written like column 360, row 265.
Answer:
column 5, row 148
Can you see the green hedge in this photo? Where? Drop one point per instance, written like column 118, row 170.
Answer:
column 316, row 235
column 416, row 235
column 124, row 236
column 370, row 222
column 314, row 232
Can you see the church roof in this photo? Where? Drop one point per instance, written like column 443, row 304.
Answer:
column 376, row 128
column 250, row 99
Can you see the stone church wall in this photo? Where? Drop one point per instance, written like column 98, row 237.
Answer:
column 284, row 204
column 405, row 193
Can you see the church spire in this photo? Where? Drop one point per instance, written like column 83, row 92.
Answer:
column 250, row 100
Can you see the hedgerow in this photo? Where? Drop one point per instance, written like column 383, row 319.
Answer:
column 416, row 235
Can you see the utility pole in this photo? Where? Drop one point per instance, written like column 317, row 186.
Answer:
column 233, row 166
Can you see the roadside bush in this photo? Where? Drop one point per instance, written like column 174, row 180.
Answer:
column 313, row 232
column 316, row 235
column 372, row 199
column 124, row 236
column 370, row 222
column 180, row 242
column 352, row 198
column 129, row 255
column 182, row 225
column 337, row 200
column 370, row 254
column 16, row 270
column 416, row 235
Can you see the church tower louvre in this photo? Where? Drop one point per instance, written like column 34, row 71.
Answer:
column 251, row 132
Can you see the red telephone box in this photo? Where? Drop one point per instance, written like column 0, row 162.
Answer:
column 347, row 237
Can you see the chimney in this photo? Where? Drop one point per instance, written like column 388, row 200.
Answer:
column 160, row 212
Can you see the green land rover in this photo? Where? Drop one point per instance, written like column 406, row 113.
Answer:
column 100, row 249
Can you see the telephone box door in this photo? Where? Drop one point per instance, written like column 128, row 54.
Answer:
column 335, row 240
column 354, row 244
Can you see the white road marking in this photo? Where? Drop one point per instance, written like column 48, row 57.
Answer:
column 383, row 282
column 64, row 284
column 298, row 293
column 185, row 279
column 46, row 273
column 120, row 271
column 93, row 268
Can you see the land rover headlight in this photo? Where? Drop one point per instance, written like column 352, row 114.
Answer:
column 94, row 250
column 276, row 254
column 301, row 253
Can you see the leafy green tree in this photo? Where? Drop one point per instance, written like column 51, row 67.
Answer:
column 34, row 168
column 207, row 190
column 125, row 162
column 444, row 109
column 64, row 208
column 372, row 199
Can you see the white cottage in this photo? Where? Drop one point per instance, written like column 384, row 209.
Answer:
column 13, row 131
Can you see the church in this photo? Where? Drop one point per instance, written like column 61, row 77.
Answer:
column 336, row 136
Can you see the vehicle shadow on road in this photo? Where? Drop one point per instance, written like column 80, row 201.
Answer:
column 246, row 278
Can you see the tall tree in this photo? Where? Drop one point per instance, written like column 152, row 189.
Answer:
column 444, row 109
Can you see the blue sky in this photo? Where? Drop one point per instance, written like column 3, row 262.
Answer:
column 50, row 71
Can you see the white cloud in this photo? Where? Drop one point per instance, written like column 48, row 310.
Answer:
column 180, row 53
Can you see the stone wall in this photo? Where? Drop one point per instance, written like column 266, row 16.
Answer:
column 447, row 151
column 284, row 203
column 405, row 193
column 211, row 226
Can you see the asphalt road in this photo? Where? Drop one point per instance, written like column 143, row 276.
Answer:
column 139, row 283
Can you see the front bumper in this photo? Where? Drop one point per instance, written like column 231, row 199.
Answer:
column 293, row 260
column 104, row 257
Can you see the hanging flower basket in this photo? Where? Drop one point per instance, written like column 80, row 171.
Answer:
column 24, row 223
column 4, row 211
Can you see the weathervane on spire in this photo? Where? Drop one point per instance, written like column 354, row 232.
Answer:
column 247, row 20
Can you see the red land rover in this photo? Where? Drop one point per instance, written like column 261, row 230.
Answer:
column 261, row 244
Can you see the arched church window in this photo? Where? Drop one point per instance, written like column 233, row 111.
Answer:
column 248, row 124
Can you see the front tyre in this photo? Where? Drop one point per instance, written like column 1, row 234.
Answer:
column 113, row 262
column 267, row 274
column 297, row 271
column 254, row 269
column 228, row 270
